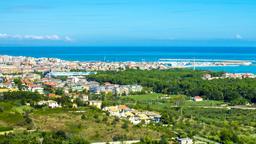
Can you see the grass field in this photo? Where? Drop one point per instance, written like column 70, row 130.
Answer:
column 203, row 103
column 161, row 102
column 145, row 97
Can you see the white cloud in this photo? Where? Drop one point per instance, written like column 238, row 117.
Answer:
column 35, row 37
column 67, row 38
column 238, row 36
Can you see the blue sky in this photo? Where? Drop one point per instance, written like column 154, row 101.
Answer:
column 128, row 22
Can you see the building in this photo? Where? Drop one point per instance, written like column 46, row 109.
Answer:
column 198, row 98
column 49, row 103
column 134, row 116
column 77, row 88
column 50, row 84
column 207, row 77
column 95, row 103
column 185, row 141
column 38, row 89
column 84, row 98
column 58, row 74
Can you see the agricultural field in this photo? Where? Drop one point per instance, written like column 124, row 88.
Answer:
column 208, row 119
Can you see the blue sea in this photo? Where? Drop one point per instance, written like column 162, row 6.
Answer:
column 110, row 54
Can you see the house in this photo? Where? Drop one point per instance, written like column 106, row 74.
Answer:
column 50, row 84
column 198, row 98
column 113, row 110
column 97, row 89
column 95, row 103
column 35, row 88
column 49, row 103
column 143, row 117
column 84, row 98
column 207, row 77
column 155, row 117
column 52, row 95
column 135, row 88
column 122, row 90
column 134, row 116
column 185, row 141
column 134, row 120
column 123, row 108
column 77, row 88
column 32, row 76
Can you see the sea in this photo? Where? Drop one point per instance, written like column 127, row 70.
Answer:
column 142, row 54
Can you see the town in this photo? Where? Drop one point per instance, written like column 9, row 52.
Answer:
column 21, row 64
column 125, row 96
column 230, row 75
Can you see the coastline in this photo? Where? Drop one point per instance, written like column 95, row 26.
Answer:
column 236, row 66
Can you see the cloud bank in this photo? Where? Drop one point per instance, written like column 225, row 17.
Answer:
column 35, row 37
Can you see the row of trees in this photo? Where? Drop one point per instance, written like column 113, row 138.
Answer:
column 185, row 81
column 23, row 96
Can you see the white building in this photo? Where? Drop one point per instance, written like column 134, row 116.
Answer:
column 185, row 141
column 95, row 103
column 49, row 103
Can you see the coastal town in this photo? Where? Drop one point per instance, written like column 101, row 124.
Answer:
column 72, row 84
column 21, row 64
column 128, row 72
column 52, row 84
column 230, row 76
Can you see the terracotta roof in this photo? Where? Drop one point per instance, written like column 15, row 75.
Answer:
column 197, row 97
column 51, row 95
column 123, row 107
column 50, row 83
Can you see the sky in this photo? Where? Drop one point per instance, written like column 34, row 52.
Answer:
column 128, row 22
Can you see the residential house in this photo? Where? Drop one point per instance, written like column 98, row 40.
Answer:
column 95, row 103
column 77, row 88
column 36, row 88
column 49, row 103
column 198, row 98
column 84, row 98
column 185, row 141
column 207, row 77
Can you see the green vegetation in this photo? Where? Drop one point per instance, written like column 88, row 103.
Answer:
column 23, row 97
column 31, row 123
column 57, row 137
column 90, row 123
column 208, row 119
column 168, row 92
column 187, row 82
column 145, row 97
